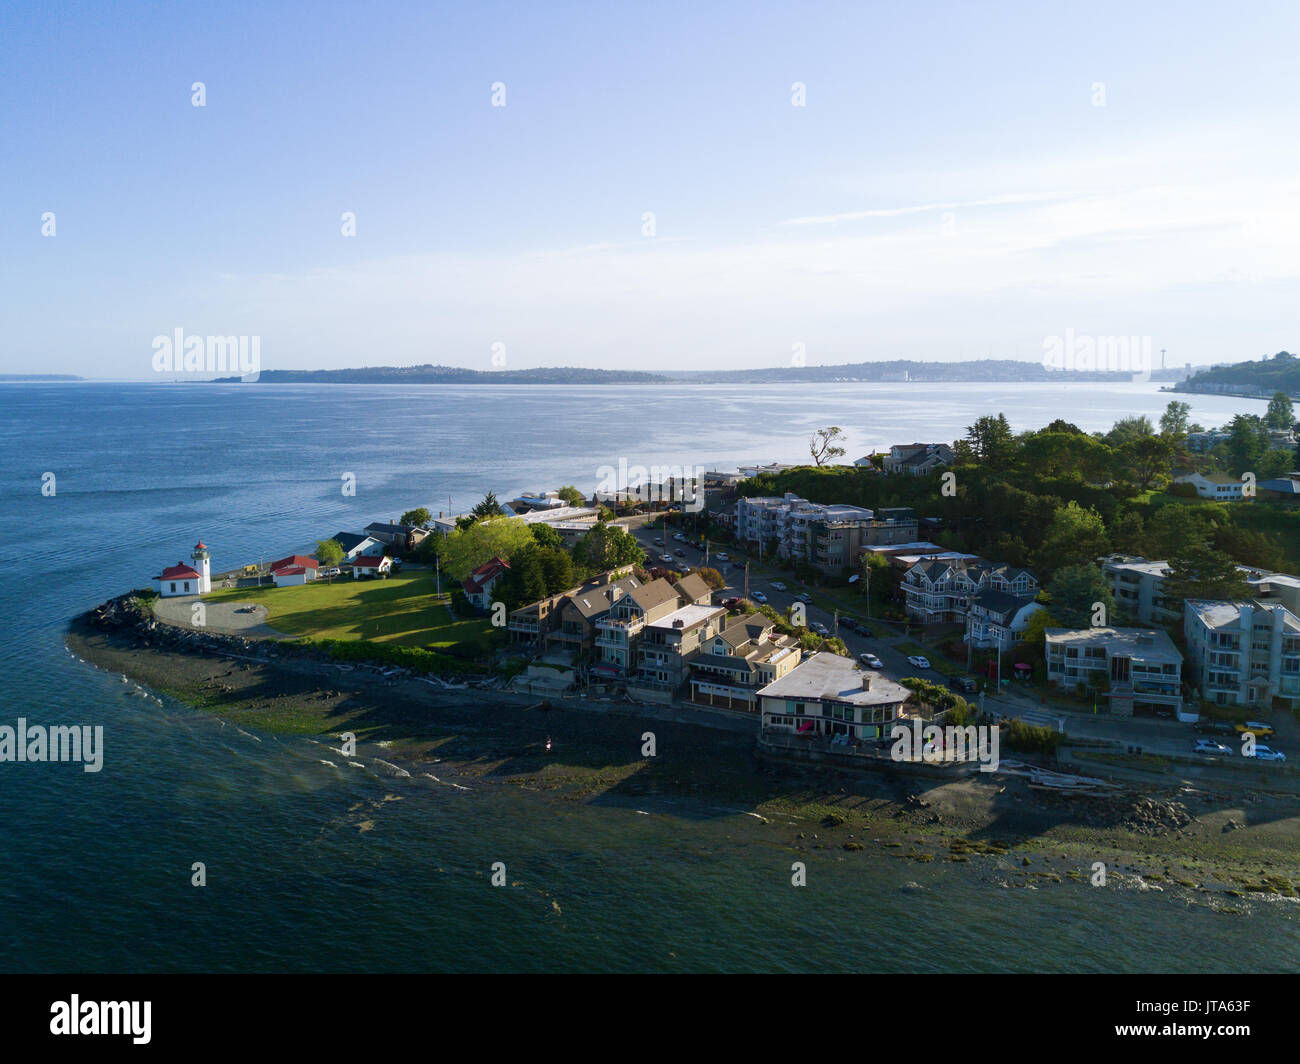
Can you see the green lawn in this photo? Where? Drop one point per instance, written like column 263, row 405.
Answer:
column 400, row 609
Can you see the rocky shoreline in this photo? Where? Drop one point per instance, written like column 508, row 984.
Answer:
column 1212, row 845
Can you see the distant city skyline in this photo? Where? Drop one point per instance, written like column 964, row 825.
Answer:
column 717, row 187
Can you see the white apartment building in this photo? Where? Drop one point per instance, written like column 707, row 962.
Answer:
column 1243, row 653
column 1140, row 668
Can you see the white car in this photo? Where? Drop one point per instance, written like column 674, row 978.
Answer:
column 667, row 559
column 758, row 596
column 917, row 661
column 329, row 572
column 723, row 557
column 1267, row 753
column 871, row 661
column 777, row 585
column 1209, row 746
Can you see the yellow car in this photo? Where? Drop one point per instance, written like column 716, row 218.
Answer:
column 1255, row 726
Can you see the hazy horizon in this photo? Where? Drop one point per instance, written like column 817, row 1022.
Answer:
column 724, row 188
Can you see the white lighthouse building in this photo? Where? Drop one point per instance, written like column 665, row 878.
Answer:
column 182, row 579
column 200, row 559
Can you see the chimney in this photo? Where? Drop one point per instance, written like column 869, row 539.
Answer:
column 679, row 623
column 866, row 681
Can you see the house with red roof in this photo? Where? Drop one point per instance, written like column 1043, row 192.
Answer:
column 295, row 569
column 479, row 583
column 371, row 565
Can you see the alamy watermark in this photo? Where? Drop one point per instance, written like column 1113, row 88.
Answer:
column 237, row 355
column 931, row 744
column 33, row 742
column 1099, row 354
column 650, row 484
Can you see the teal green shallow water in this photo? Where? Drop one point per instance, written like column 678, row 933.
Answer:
column 311, row 866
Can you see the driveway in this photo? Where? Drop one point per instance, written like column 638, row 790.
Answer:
column 220, row 617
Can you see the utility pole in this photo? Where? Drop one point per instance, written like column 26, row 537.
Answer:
column 835, row 623
column 437, row 564
column 747, row 578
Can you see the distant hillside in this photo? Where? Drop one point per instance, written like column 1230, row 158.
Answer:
column 450, row 375
column 10, row 377
column 1281, row 373
column 988, row 369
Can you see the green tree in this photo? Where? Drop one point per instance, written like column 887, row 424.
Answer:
column 329, row 552
column 1175, row 526
column 1128, row 429
column 489, row 507
column 1200, row 572
column 991, row 441
column 535, row 572
column 823, row 444
column 1127, row 533
column 1077, row 534
column 1173, row 422
column 418, row 517
column 1076, row 591
column 1246, row 444
column 465, row 549
column 545, row 535
column 1250, row 546
column 1147, row 457
column 607, row 547
column 1280, row 414
column 572, row 495
column 711, row 577
column 1038, row 623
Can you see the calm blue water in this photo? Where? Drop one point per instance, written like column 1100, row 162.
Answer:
column 94, row 869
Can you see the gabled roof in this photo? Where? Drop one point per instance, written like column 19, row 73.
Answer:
column 369, row 561
column 291, row 570
column 348, row 540
column 1001, row 605
column 653, row 594
column 481, row 577
column 594, row 601
column 295, row 561
column 693, row 587
column 179, row 571
column 387, row 529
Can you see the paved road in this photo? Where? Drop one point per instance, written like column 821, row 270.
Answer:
column 1151, row 735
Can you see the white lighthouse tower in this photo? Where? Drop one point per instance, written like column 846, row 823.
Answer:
column 200, row 557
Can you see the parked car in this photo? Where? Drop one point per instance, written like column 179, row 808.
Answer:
column 778, row 585
column 821, row 629
column 680, row 553
column 722, row 557
column 803, row 596
column 331, row 571
column 758, row 596
column 919, row 661
column 1209, row 746
column 849, row 623
column 965, row 684
column 731, row 603
column 667, row 559
column 871, row 661
column 1258, row 727
column 1267, row 753
column 1215, row 727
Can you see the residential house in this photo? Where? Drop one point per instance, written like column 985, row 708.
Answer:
column 1243, row 654
column 997, row 619
column 355, row 544
column 371, row 565
column 939, row 590
column 1135, row 668
column 671, row 643
column 918, row 458
column 295, row 569
column 827, row 695
column 575, row 627
column 1217, row 486
column 479, row 584
column 693, row 590
column 737, row 662
column 619, row 629
column 535, row 623
column 402, row 537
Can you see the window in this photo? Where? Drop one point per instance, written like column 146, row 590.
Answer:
column 173, row 587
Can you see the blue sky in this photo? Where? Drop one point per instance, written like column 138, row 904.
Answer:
column 951, row 190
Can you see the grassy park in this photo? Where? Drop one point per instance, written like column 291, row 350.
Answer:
column 401, row 609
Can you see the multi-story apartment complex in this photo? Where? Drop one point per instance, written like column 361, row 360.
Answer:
column 1138, row 668
column 1138, row 588
column 939, row 590
column 1243, row 653
column 827, row 695
column 828, row 536
column 734, row 664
